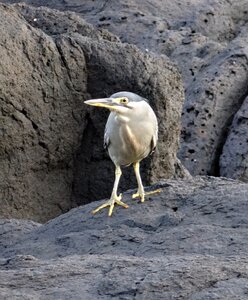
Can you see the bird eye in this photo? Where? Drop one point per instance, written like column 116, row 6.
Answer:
column 124, row 100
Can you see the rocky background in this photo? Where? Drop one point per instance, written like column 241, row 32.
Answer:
column 52, row 146
column 208, row 41
column 189, row 58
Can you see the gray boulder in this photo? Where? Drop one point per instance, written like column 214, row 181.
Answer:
column 234, row 157
column 38, row 104
column 51, row 150
column 212, row 101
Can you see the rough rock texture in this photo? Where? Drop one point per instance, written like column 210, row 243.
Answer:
column 50, row 143
column 38, row 104
column 189, row 242
column 233, row 162
column 208, row 39
column 212, row 101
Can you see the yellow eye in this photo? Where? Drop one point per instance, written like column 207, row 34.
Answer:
column 124, row 100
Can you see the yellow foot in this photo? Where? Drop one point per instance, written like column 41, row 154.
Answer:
column 142, row 195
column 111, row 203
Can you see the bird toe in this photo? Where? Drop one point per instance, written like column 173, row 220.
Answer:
column 111, row 203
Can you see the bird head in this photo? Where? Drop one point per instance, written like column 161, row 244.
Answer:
column 113, row 104
column 121, row 102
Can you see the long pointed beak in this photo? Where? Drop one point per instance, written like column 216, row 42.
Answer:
column 103, row 102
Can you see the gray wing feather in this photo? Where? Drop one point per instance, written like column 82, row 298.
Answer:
column 106, row 140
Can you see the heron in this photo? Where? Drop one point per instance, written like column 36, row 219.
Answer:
column 131, row 134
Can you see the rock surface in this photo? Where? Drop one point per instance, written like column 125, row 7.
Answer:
column 208, row 40
column 188, row 242
column 234, row 158
column 51, row 150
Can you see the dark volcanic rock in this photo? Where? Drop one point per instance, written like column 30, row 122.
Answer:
column 219, row 20
column 234, row 158
column 189, row 242
column 212, row 103
column 51, row 144
column 10, row 230
column 40, row 121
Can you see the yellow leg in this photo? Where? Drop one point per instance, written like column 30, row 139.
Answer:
column 141, row 193
column 114, row 199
